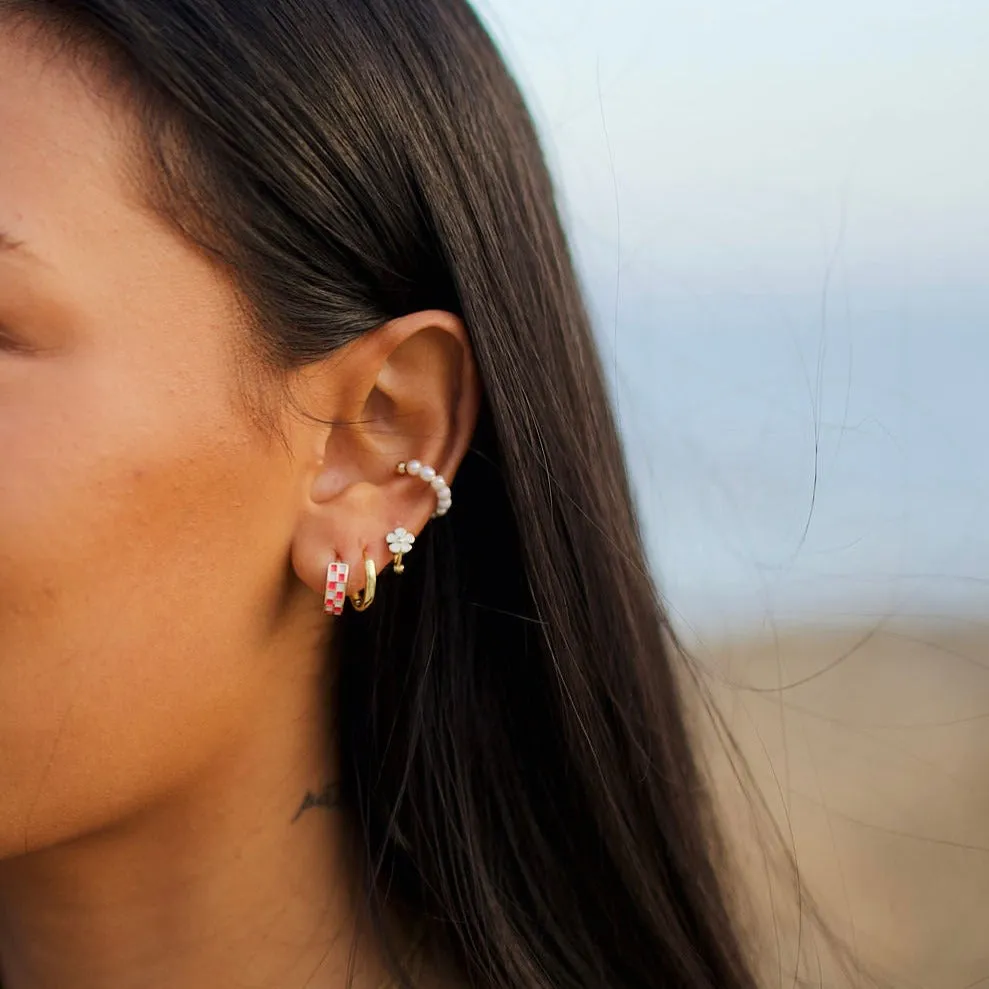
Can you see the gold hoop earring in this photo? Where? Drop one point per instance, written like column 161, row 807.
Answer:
column 363, row 599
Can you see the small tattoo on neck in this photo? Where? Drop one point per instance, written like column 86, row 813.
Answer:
column 327, row 798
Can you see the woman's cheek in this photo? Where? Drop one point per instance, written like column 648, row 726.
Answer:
column 121, row 664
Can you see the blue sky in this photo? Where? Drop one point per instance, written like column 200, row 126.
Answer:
column 781, row 212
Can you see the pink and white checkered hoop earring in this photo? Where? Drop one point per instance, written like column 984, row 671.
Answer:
column 335, row 595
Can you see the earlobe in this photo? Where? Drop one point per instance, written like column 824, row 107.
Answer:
column 399, row 541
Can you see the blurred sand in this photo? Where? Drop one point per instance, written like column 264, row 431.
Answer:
column 877, row 750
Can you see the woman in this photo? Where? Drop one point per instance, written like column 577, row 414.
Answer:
column 268, row 268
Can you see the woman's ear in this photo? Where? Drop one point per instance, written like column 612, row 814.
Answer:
column 406, row 391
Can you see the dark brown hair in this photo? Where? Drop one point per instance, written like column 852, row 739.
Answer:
column 511, row 722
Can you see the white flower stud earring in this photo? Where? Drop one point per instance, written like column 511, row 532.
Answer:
column 400, row 542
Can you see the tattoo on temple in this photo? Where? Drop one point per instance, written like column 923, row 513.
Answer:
column 328, row 798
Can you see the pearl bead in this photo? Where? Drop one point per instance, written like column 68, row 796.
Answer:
column 416, row 468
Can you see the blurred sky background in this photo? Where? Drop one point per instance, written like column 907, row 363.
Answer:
column 781, row 214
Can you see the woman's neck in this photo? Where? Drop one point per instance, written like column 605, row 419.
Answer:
column 240, row 877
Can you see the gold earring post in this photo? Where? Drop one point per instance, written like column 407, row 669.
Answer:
column 363, row 599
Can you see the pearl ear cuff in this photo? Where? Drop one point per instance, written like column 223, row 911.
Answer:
column 444, row 497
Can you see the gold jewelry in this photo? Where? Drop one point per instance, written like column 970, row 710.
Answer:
column 363, row 599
